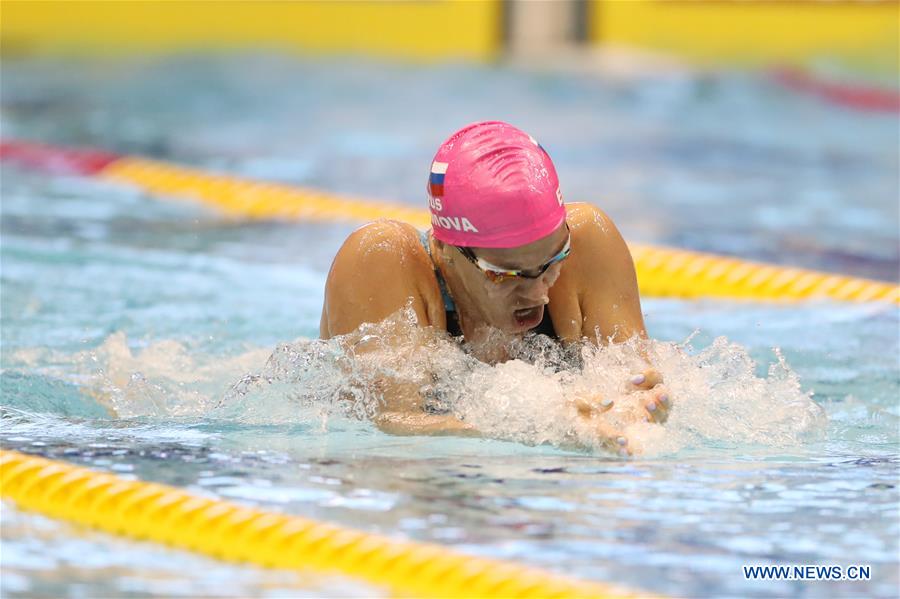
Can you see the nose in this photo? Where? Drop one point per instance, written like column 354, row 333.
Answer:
column 535, row 290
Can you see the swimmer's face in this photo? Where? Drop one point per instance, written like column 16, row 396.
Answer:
column 516, row 304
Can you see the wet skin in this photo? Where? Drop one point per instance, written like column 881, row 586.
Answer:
column 592, row 294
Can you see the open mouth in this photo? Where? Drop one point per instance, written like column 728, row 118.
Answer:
column 529, row 317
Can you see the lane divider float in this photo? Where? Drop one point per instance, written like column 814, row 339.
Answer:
column 661, row 271
column 224, row 530
column 858, row 96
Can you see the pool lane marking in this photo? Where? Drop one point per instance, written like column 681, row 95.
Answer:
column 661, row 272
column 858, row 96
column 231, row 532
column 253, row 199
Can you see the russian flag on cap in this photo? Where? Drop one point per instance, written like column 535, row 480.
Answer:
column 436, row 179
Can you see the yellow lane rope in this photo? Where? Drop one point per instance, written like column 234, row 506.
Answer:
column 665, row 272
column 662, row 272
column 254, row 199
column 149, row 511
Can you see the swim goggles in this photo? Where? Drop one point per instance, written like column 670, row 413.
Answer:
column 498, row 274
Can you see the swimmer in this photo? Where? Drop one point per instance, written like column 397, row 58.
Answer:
column 505, row 254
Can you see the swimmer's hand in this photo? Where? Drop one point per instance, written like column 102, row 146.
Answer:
column 654, row 396
column 591, row 405
column 602, row 432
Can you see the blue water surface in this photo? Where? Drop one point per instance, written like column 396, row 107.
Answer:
column 103, row 280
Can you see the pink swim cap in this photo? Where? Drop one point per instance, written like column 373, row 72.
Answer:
column 493, row 186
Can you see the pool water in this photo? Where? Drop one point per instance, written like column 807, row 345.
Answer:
column 158, row 339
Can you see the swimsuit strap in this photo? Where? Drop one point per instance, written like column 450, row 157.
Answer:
column 449, row 306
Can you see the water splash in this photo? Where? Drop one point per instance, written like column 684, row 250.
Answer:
column 164, row 379
column 718, row 397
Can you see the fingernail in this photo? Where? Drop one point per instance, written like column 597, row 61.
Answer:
column 646, row 419
column 651, row 406
column 637, row 379
column 606, row 401
column 664, row 398
column 621, row 440
column 623, row 453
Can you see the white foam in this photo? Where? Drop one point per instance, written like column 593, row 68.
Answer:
column 718, row 397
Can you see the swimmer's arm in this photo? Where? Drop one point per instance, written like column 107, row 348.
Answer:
column 420, row 423
column 609, row 298
column 610, row 302
column 402, row 413
column 401, row 406
column 374, row 274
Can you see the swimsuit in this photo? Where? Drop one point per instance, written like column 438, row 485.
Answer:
column 453, row 328
column 435, row 400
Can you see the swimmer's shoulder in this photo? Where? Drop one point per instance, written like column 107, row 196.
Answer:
column 595, row 238
column 388, row 244
column 601, row 273
column 588, row 223
column 379, row 269
column 582, row 272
